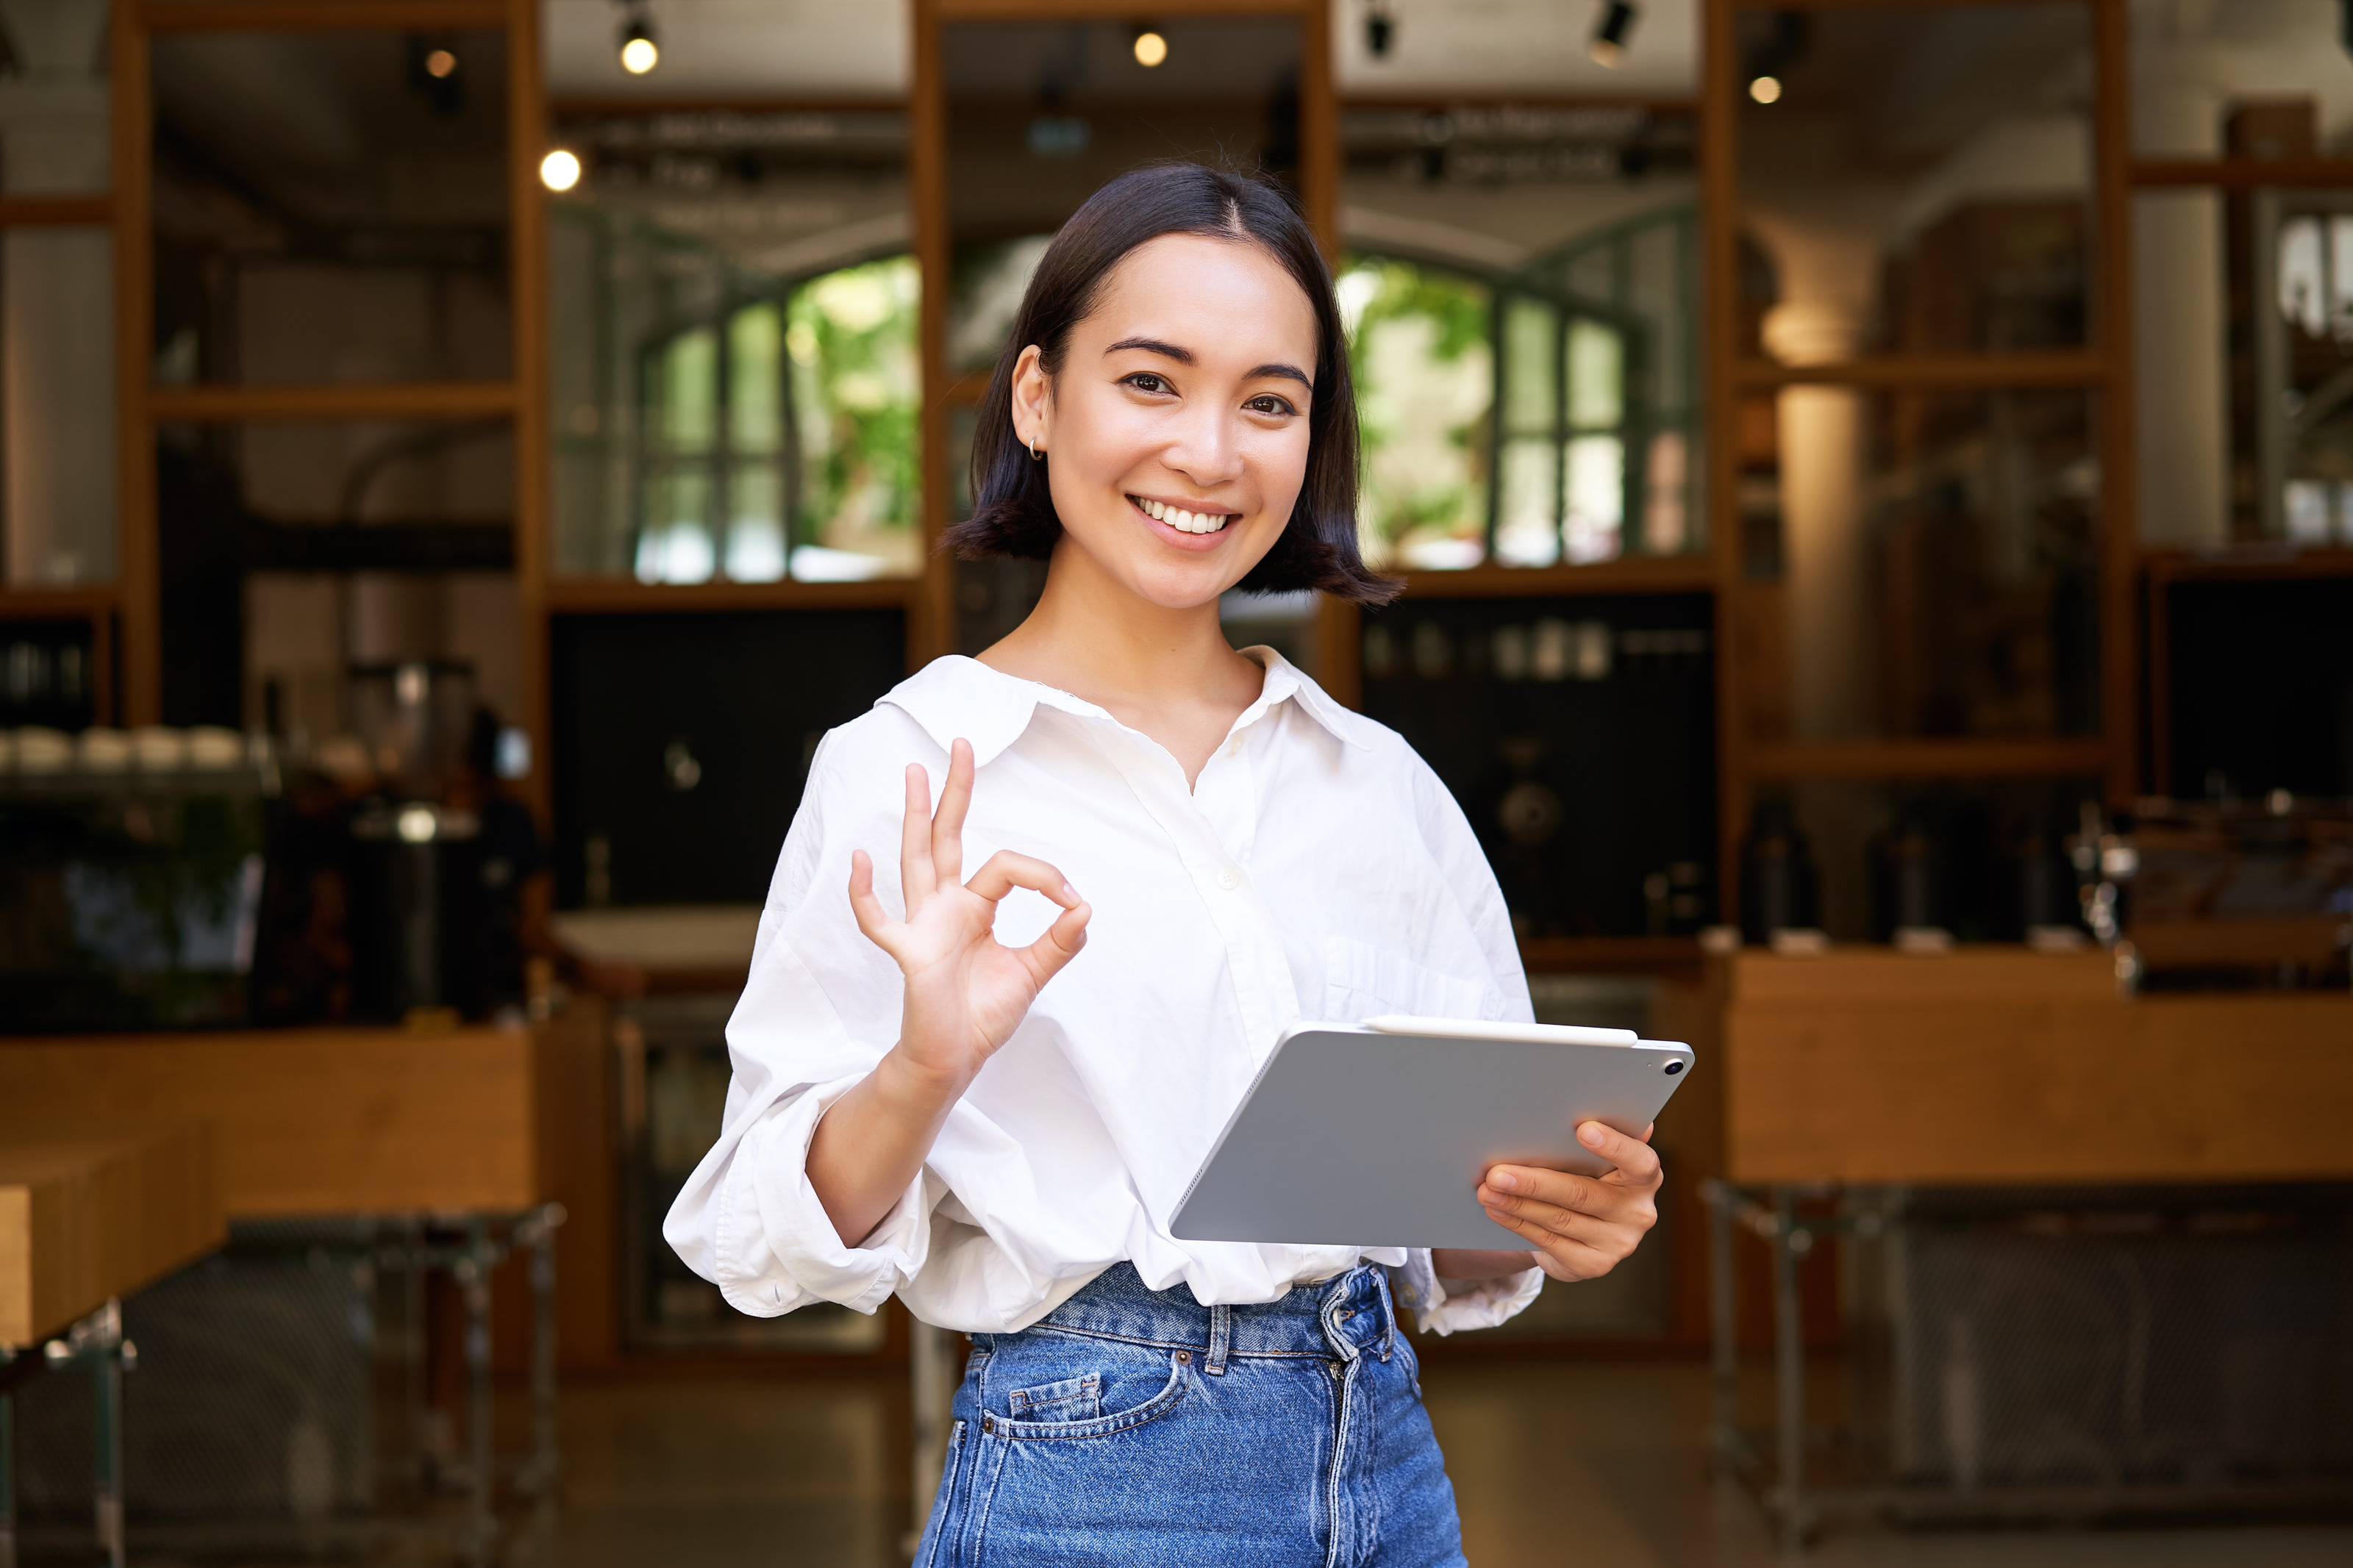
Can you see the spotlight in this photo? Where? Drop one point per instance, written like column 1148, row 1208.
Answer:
column 1380, row 31
column 1151, row 48
column 440, row 65
column 1766, row 89
column 1608, row 49
column 639, row 53
column 560, row 169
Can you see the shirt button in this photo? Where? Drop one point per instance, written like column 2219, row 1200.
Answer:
column 1234, row 747
column 1230, row 878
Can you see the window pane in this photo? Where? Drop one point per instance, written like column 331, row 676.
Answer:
column 1594, row 494
column 1527, row 520
column 1425, row 383
column 1596, row 376
column 857, row 393
column 685, row 392
column 755, row 523
column 674, row 543
column 755, row 369
column 328, row 209
column 1531, row 366
column 57, row 398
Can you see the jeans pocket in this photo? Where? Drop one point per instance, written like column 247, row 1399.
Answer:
column 1072, row 1399
column 1170, row 1396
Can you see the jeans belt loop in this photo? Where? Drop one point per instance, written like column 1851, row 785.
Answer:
column 1388, row 1311
column 1221, row 1333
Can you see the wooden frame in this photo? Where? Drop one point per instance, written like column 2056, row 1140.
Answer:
column 2103, row 367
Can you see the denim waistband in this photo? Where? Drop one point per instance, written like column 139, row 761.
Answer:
column 1342, row 1317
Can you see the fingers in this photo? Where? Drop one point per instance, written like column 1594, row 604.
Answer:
column 1005, row 870
column 917, row 879
column 947, row 823
column 1637, row 1161
column 873, row 918
column 1045, row 957
column 1563, row 1257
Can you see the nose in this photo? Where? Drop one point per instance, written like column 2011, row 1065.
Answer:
column 1208, row 447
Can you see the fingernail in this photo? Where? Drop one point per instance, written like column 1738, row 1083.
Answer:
column 1590, row 1134
column 1504, row 1181
column 1069, row 892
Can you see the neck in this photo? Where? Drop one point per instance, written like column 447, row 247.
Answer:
column 1095, row 637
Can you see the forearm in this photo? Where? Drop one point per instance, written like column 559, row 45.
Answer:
column 872, row 1141
column 1467, row 1263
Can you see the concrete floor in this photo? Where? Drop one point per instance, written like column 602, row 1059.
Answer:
column 1553, row 1463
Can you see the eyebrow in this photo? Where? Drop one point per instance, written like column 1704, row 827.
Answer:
column 1185, row 356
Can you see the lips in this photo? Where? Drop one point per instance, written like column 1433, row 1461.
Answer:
column 1182, row 520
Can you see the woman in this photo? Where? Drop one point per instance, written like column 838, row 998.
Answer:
column 988, row 1094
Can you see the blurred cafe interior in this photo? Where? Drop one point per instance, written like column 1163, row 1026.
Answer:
column 1873, row 483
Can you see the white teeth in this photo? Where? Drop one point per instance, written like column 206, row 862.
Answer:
column 1182, row 522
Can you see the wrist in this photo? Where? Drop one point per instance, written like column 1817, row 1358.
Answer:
column 916, row 1088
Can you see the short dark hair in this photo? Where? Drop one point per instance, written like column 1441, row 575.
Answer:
column 1013, row 509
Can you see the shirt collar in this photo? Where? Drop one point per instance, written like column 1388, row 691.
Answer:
column 958, row 698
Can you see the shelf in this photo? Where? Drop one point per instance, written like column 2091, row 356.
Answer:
column 1607, row 955
column 1688, row 573
column 2050, row 756
column 55, row 603
column 1933, row 372
column 609, row 596
column 80, row 211
column 2243, row 173
column 235, row 404
column 323, row 17
column 2240, row 562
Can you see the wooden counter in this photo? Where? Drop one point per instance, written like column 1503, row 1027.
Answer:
column 1996, row 1064
column 312, row 1122
column 87, row 1215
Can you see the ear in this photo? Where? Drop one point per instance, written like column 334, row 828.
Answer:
column 1033, row 398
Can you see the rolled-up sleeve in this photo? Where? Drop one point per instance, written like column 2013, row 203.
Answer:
column 1467, row 1304
column 747, row 1219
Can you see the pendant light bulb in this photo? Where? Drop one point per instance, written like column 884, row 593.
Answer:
column 639, row 53
column 1151, row 48
column 560, row 169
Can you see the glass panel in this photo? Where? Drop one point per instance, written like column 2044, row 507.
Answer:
column 733, row 367
column 1596, row 376
column 289, row 551
column 1528, row 515
column 1929, row 564
column 1504, row 697
column 1424, row 378
column 1593, row 498
column 330, row 208
column 1918, row 176
column 2254, row 80
column 53, row 107
column 57, row 405
column 1531, row 366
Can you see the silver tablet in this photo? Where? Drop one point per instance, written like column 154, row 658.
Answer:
column 1376, row 1134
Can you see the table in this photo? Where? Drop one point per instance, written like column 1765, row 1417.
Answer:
column 1866, row 1072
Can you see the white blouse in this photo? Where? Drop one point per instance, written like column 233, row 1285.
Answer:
column 1317, row 869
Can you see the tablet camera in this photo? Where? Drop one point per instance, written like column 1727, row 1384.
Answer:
column 1673, row 1068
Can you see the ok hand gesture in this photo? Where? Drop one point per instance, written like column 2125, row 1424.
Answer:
column 966, row 992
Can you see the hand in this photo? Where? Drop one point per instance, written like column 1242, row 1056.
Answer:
column 1582, row 1226
column 966, row 992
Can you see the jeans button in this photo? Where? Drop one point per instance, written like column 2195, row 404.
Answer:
column 1184, row 1358
column 988, row 1423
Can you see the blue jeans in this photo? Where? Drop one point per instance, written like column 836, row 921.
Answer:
column 1139, row 1428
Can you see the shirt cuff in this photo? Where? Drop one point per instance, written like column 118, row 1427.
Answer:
column 778, row 1248
column 1470, row 1303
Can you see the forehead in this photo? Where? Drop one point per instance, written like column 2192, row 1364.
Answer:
column 1211, row 296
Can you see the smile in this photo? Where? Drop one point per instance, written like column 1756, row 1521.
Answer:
column 1180, row 520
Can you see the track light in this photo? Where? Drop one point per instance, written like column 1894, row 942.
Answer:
column 1608, row 49
column 1380, row 30
column 1151, row 48
column 560, row 169
column 639, row 53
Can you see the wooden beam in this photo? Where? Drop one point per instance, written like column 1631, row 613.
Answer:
column 1109, row 10
column 1719, row 206
column 2112, row 334
column 620, row 595
column 95, row 210
column 246, row 403
column 1692, row 574
column 932, row 629
column 138, row 572
column 320, row 15
column 527, row 289
column 1933, row 372
column 2241, row 174
column 1958, row 757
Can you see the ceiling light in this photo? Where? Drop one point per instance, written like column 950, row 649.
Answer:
column 639, row 53
column 440, row 64
column 1766, row 89
column 560, row 169
column 1380, row 31
column 1151, row 48
column 1608, row 49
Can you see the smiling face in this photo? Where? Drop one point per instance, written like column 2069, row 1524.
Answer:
column 1176, row 430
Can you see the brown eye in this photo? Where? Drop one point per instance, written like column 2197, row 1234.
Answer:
column 1145, row 381
column 1267, row 403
